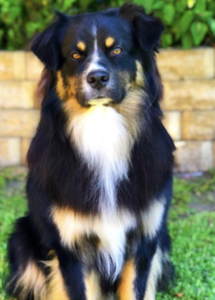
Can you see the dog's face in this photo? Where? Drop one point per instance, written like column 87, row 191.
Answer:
column 97, row 58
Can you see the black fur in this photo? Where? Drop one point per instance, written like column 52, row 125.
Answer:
column 58, row 176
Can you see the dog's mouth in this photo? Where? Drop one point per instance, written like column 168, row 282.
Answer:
column 100, row 101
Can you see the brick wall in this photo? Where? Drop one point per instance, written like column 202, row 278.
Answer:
column 189, row 105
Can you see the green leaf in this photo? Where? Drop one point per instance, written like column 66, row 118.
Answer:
column 158, row 5
column 211, row 6
column 206, row 14
column 121, row 2
column 177, row 31
column 67, row 4
column 198, row 31
column 166, row 40
column 168, row 14
column 211, row 23
column 175, row 27
column 187, row 41
column 147, row 4
column 181, row 5
column 186, row 20
column 201, row 5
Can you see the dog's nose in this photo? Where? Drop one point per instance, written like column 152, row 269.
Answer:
column 98, row 79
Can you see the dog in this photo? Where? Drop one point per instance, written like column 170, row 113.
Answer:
column 100, row 165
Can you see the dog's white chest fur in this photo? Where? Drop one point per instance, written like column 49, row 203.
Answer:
column 103, row 141
column 110, row 228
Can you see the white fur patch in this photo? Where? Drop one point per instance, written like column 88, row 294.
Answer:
column 94, row 64
column 154, row 273
column 94, row 31
column 109, row 227
column 103, row 141
column 152, row 218
column 140, row 80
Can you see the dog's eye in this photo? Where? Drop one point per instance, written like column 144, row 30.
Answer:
column 117, row 50
column 76, row 55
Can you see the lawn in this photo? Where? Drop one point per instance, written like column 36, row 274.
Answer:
column 191, row 223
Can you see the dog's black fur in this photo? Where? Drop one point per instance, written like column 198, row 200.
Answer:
column 65, row 183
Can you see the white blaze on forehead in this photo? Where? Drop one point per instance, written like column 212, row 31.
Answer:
column 94, row 31
column 94, row 62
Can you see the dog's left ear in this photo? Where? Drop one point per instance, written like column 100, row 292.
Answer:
column 148, row 29
column 46, row 45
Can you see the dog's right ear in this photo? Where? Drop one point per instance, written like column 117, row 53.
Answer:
column 148, row 29
column 46, row 45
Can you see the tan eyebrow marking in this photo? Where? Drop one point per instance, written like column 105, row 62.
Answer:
column 109, row 42
column 81, row 46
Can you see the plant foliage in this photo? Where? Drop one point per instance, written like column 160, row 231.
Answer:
column 188, row 22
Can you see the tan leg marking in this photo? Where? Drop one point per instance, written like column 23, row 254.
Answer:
column 126, row 288
column 55, row 287
column 93, row 291
column 32, row 280
column 154, row 274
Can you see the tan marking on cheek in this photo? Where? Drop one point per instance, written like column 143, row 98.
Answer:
column 32, row 280
column 81, row 46
column 124, row 79
column 126, row 288
column 71, row 83
column 71, row 106
column 131, row 108
column 56, row 289
column 109, row 42
column 60, row 87
column 140, row 79
column 72, row 109
column 65, row 89
column 92, row 286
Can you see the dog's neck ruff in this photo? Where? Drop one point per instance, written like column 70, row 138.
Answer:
column 103, row 141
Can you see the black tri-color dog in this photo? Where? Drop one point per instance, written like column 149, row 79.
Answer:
column 100, row 165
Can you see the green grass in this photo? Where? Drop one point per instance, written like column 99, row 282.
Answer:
column 191, row 224
column 12, row 205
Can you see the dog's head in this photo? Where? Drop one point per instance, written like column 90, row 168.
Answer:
column 99, row 58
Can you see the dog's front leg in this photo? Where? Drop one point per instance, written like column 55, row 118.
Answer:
column 136, row 272
column 72, row 273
